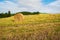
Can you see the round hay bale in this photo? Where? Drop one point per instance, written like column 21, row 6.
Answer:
column 18, row 17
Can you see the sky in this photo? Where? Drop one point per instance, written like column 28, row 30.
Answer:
column 45, row 6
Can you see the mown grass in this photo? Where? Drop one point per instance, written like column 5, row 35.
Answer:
column 34, row 27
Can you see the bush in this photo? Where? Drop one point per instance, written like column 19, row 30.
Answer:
column 29, row 13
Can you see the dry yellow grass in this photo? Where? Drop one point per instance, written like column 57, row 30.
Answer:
column 34, row 27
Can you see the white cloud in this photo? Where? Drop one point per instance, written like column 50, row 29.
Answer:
column 54, row 6
column 7, row 5
column 30, row 5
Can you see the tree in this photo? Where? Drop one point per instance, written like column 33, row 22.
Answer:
column 1, row 15
column 36, row 12
column 6, row 14
column 9, row 13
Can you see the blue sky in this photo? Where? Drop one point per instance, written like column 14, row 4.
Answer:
column 1, row 0
column 47, row 1
column 48, row 6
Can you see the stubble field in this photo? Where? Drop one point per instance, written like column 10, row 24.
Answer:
column 33, row 27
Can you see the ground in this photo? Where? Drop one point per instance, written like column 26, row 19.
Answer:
column 33, row 27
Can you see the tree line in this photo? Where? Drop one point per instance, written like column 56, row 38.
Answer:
column 8, row 14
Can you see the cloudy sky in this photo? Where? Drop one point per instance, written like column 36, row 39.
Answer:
column 48, row 6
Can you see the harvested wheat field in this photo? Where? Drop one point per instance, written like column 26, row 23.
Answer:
column 33, row 27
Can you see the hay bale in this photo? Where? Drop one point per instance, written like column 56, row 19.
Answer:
column 18, row 17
